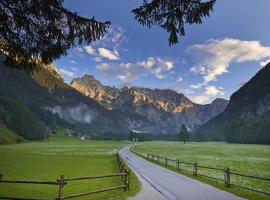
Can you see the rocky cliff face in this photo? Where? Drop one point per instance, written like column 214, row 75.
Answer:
column 164, row 110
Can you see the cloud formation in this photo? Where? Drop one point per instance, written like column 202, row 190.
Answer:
column 67, row 73
column 128, row 72
column 214, row 56
column 179, row 79
column 80, row 113
column 90, row 50
column 195, row 86
column 111, row 55
column 209, row 92
column 113, row 37
column 265, row 62
column 101, row 53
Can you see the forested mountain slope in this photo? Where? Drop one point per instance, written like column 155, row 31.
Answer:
column 246, row 119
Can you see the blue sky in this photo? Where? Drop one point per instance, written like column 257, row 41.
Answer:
column 213, row 60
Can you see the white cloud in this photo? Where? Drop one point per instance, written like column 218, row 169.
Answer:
column 195, row 86
column 90, row 50
column 201, row 99
column 97, row 59
column 75, row 69
column 113, row 37
column 73, row 61
column 263, row 63
column 179, row 79
column 101, row 53
column 128, row 72
column 67, row 73
column 111, row 55
column 157, row 66
column 213, row 91
column 216, row 55
column 210, row 92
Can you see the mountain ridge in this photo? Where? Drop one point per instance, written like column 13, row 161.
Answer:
column 156, row 104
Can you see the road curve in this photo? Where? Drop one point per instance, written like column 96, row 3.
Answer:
column 171, row 185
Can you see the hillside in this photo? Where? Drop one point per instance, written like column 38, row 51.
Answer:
column 8, row 136
column 33, row 105
column 246, row 119
column 166, row 110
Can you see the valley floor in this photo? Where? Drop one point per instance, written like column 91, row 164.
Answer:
column 248, row 159
column 62, row 155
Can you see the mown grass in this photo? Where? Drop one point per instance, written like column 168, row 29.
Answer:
column 62, row 155
column 248, row 159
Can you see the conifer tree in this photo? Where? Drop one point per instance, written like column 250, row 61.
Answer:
column 31, row 29
column 172, row 15
column 184, row 134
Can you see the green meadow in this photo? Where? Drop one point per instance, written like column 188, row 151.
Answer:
column 62, row 155
column 245, row 158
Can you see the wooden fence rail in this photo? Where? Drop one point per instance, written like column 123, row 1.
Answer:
column 195, row 168
column 124, row 173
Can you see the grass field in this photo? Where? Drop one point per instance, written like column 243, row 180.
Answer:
column 249, row 159
column 62, row 155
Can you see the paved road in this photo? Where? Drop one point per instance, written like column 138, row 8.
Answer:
column 171, row 185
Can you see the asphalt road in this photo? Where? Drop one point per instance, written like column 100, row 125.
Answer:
column 171, row 184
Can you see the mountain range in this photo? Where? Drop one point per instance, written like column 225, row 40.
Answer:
column 161, row 110
column 88, row 107
column 31, row 105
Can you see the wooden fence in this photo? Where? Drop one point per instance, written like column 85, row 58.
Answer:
column 195, row 168
column 124, row 173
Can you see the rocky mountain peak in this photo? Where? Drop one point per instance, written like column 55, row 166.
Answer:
column 48, row 76
column 160, row 106
column 87, row 80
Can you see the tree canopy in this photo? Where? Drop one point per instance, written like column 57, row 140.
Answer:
column 43, row 30
column 172, row 15
column 184, row 134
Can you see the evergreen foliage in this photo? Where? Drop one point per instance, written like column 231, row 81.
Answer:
column 43, row 29
column 20, row 119
column 184, row 134
column 172, row 15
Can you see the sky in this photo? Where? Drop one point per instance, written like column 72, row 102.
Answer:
column 212, row 60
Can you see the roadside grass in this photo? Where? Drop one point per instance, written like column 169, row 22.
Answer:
column 244, row 158
column 67, row 156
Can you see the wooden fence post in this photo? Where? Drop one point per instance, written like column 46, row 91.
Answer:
column 1, row 176
column 147, row 155
column 125, row 180
column 227, row 177
column 177, row 164
column 128, row 179
column 166, row 161
column 158, row 158
column 195, row 169
column 61, row 187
